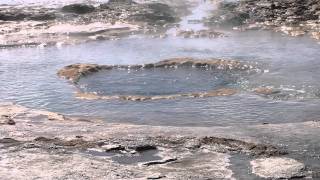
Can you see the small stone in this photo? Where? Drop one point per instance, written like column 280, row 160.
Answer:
column 112, row 147
column 156, row 176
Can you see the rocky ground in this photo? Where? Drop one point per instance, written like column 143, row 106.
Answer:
column 292, row 17
column 37, row 144
column 75, row 23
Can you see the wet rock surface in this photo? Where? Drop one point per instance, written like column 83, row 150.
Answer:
column 292, row 17
column 284, row 93
column 227, row 14
column 213, row 93
column 75, row 23
column 278, row 168
column 78, row 8
column 113, row 10
column 266, row 91
column 76, row 71
column 74, row 148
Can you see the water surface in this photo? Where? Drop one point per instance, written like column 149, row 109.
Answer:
column 153, row 82
column 28, row 77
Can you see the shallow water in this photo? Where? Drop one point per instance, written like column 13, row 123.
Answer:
column 127, row 158
column 28, row 77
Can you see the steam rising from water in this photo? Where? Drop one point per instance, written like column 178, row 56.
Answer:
column 29, row 77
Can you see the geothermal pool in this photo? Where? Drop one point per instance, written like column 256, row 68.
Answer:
column 153, row 82
column 290, row 64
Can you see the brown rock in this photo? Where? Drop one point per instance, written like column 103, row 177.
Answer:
column 266, row 91
column 76, row 71
column 220, row 92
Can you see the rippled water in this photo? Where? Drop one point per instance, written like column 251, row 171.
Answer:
column 28, row 77
column 152, row 82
